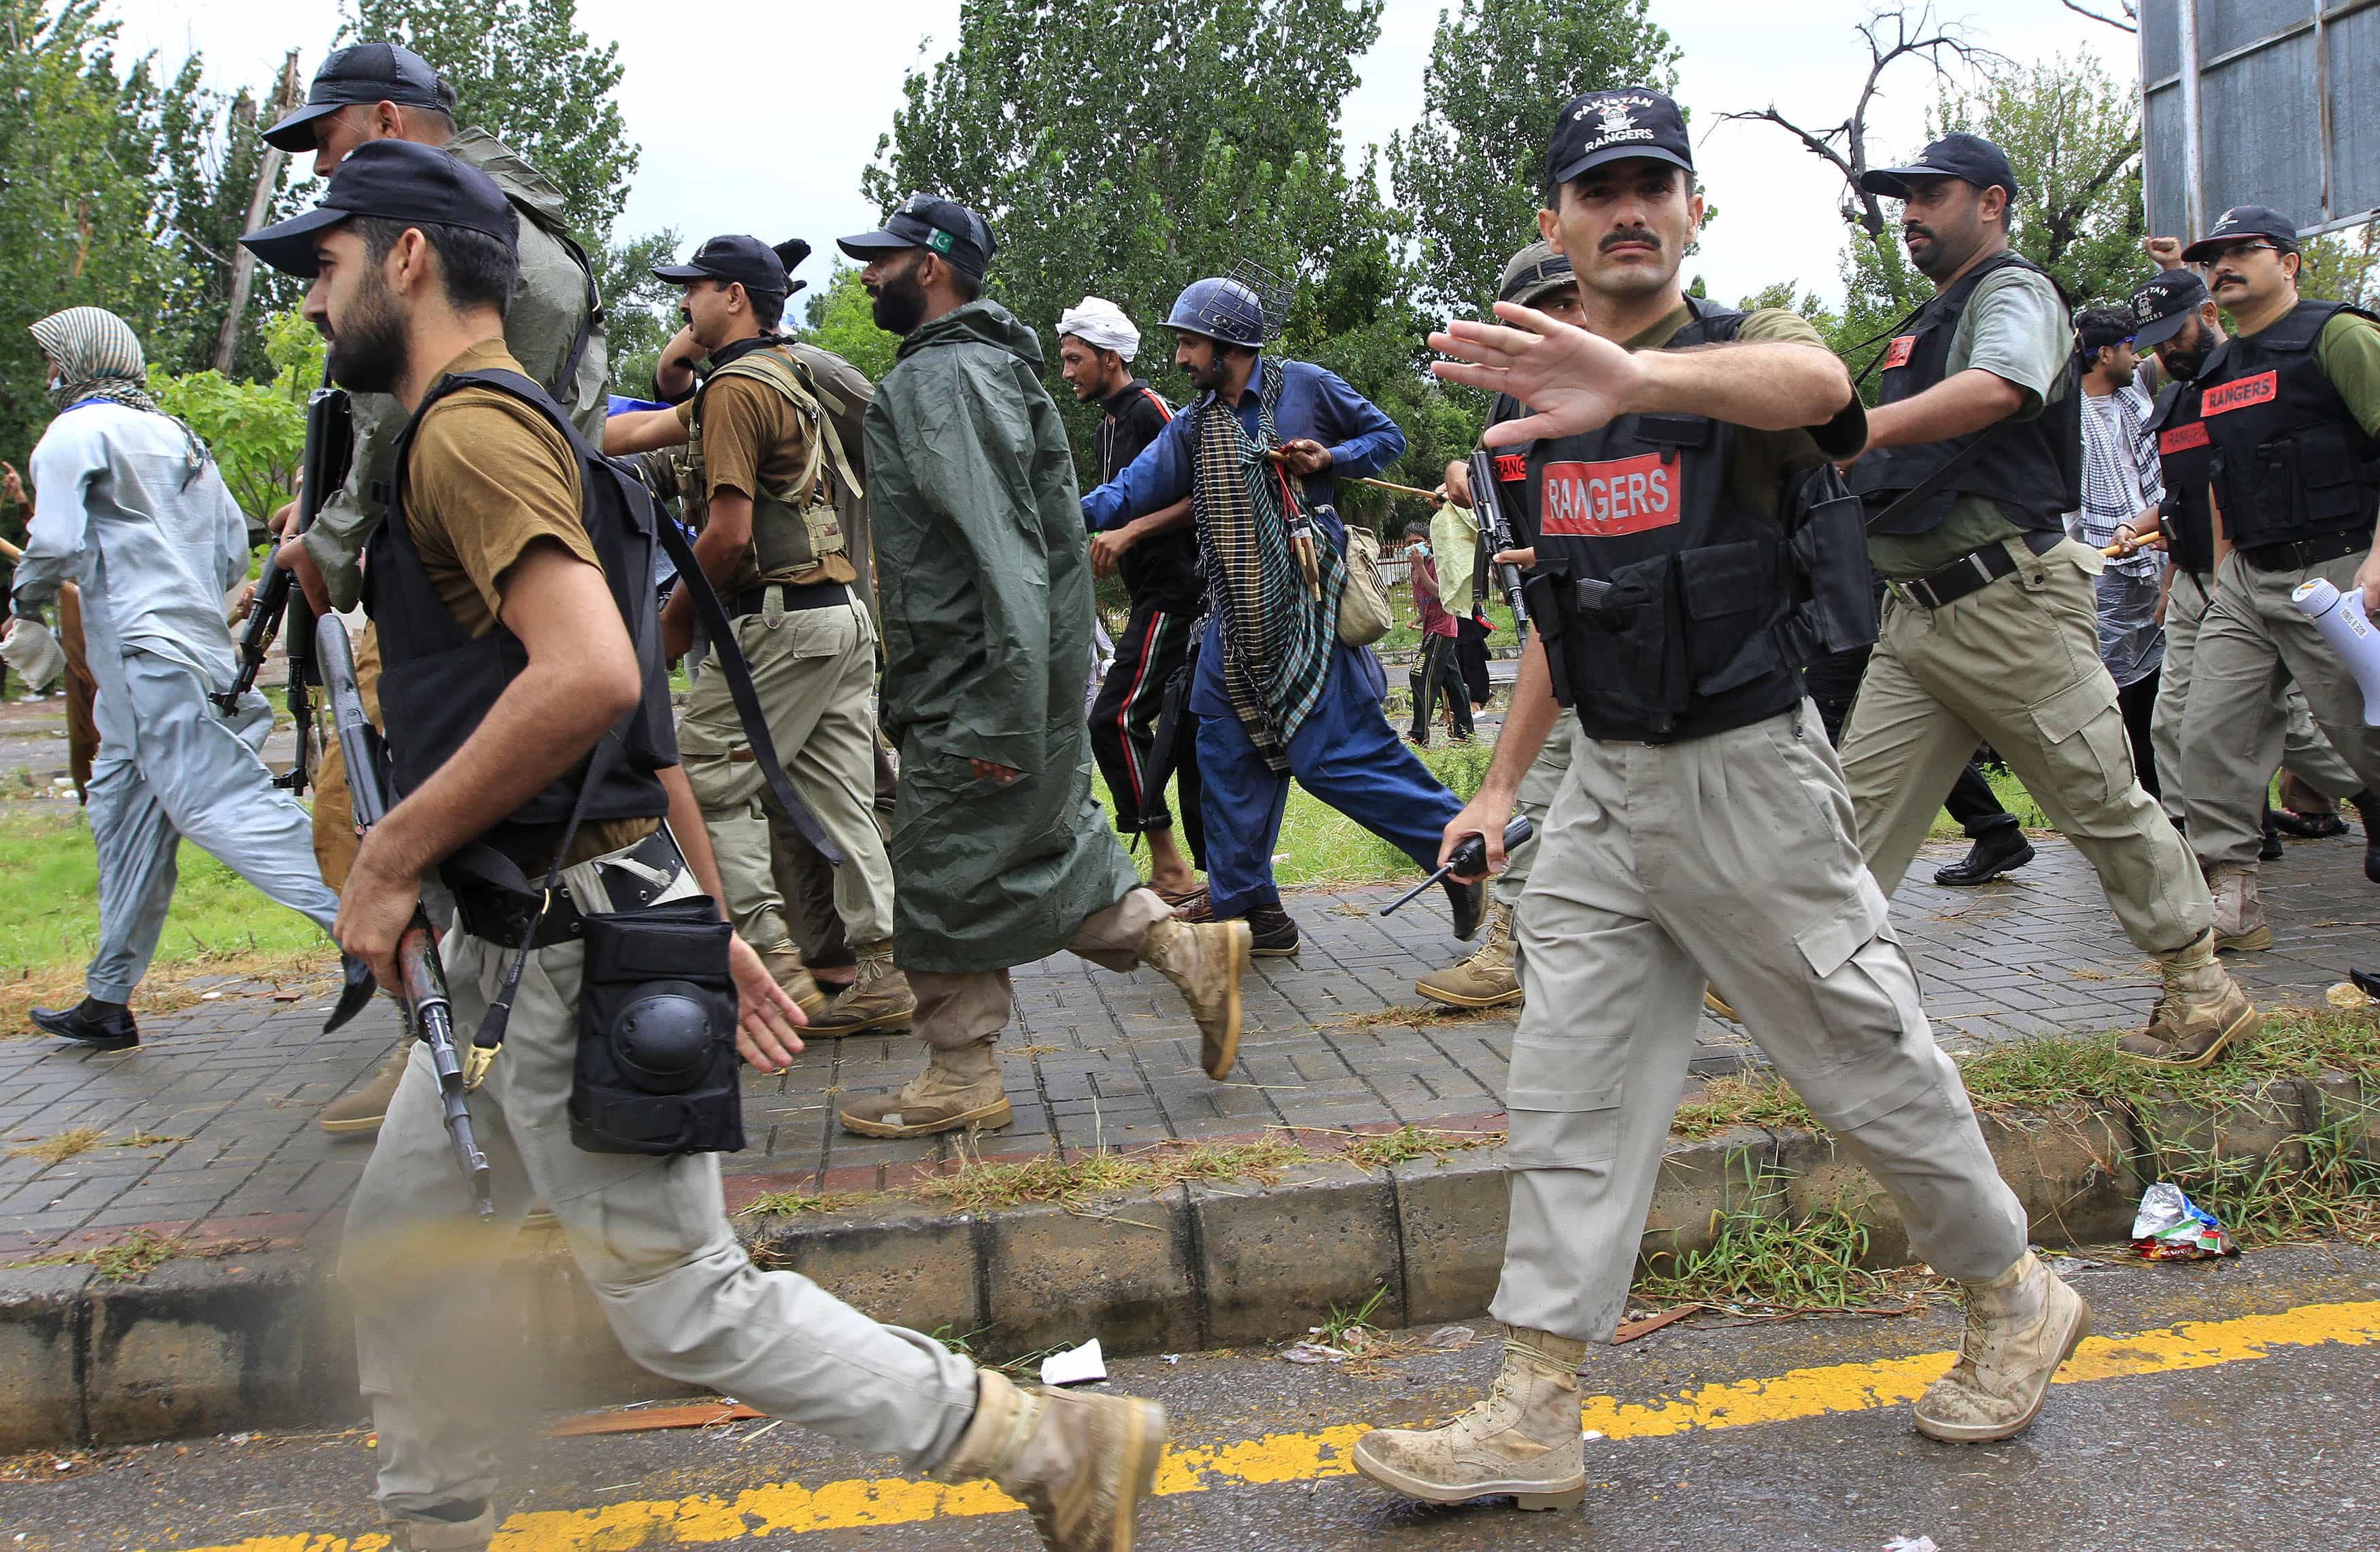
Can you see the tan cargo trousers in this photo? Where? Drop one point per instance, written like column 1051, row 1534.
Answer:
column 2251, row 643
column 650, row 1236
column 2305, row 752
column 1728, row 859
column 815, row 671
column 1540, row 785
column 2016, row 664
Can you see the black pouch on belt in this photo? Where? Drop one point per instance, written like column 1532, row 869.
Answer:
column 657, row 1064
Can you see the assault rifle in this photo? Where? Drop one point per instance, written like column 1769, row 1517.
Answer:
column 330, row 443
column 1495, row 529
column 427, row 1011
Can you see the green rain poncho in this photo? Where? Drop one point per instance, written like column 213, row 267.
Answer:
column 985, row 585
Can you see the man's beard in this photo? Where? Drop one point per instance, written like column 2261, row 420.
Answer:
column 1934, row 258
column 1210, row 377
column 369, row 354
column 2185, row 365
column 899, row 304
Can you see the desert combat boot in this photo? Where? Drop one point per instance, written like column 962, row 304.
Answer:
column 2202, row 1012
column 359, row 1114
column 784, row 963
column 1524, row 1439
column 1080, row 1464
column 878, row 998
column 1488, row 979
column 2021, row 1325
column 2240, row 921
column 1204, row 961
column 959, row 1090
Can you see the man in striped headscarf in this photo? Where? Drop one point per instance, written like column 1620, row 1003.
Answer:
column 128, row 506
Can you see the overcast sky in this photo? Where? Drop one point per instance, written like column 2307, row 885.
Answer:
column 785, row 160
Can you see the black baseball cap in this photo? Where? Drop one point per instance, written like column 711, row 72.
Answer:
column 2239, row 223
column 397, row 180
column 939, row 225
column 1968, row 157
column 366, row 73
column 1600, row 127
column 2163, row 305
column 758, row 267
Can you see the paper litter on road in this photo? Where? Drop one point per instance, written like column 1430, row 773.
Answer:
column 1079, row 1366
column 1904, row 1544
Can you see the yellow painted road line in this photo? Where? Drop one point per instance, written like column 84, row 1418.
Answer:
column 788, row 1508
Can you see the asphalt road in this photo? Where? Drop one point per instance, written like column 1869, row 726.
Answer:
column 2236, row 1408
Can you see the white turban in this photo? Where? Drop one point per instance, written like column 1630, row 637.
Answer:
column 1100, row 324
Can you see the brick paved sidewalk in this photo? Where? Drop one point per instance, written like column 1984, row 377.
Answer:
column 230, row 1088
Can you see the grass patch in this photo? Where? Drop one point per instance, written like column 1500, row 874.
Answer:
column 784, row 1203
column 55, row 1150
column 136, row 1255
column 980, row 1185
column 1414, row 1013
column 1760, row 1261
column 1385, row 1149
column 49, row 922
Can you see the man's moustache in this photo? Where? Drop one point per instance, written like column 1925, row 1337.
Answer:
column 1616, row 238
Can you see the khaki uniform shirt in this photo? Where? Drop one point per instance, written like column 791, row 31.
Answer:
column 754, row 439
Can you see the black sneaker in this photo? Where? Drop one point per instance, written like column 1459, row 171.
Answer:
column 1275, row 933
column 101, row 1025
column 1998, row 852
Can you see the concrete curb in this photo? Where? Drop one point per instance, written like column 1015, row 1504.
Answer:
column 261, row 1338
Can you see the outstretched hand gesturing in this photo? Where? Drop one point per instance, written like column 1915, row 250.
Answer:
column 1573, row 380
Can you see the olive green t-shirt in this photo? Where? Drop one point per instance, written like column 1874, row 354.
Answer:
column 2016, row 328
column 754, row 440
column 489, row 477
column 2347, row 351
column 1765, row 460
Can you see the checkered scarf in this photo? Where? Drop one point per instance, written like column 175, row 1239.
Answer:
column 1277, row 638
column 99, row 356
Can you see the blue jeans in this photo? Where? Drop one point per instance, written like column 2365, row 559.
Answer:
column 1346, row 754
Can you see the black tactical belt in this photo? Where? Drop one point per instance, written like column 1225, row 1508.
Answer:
column 1970, row 573
column 798, row 597
column 504, row 918
column 2297, row 554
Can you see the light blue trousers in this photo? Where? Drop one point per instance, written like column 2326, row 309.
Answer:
column 172, row 766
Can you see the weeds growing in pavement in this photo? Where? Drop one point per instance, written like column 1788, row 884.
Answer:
column 980, row 1185
column 1025, row 1365
column 57, row 1149
column 785, row 1203
column 1762, row 1262
column 140, row 1252
column 2272, row 1199
column 1380, row 1150
column 1350, row 1327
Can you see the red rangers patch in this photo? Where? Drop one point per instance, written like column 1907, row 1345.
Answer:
column 1622, row 496
column 2224, row 398
column 1897, row 353
column 1511, row 467
column 2181, row 439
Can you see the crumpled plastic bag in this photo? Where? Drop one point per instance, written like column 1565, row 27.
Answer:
column 33, row 652
column 2171, row 1227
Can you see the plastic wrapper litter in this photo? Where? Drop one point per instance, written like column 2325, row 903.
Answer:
column 2171, row 1227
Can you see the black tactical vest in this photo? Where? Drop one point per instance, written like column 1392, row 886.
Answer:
column 2186, row 461
column 1670, row 609
column 1512, row 482
column 438, row 681
column 2033, row 470
column 2290, row 461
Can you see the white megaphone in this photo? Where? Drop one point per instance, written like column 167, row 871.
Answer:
column 2341, row 618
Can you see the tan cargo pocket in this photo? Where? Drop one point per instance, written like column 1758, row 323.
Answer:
column 1560, row 1124
column 1829, row 943
column 2084, row 741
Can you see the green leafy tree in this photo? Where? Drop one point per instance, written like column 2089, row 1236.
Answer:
column 837, row 317
column 1471, row 172
column 1124, row 150
column 257, row 431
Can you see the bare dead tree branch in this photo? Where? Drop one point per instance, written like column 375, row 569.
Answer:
column 2127, row 22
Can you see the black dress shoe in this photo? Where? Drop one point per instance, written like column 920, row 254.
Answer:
column 2367, row 806
column 2001, row 851
column 1273, row 931
column 2271, row 849
column 101, row 1025
column 1470, row 902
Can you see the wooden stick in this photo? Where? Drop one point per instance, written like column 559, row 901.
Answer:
column 10, row 550
column 2138, row 540
column 1388, row 485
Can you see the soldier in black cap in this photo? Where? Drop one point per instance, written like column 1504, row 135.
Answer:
column 768, row 478
column 1702, row 829
column 525, row 694
column 2173, row 317
column 554, row 327
column 1990, row 628
column 2289, row 406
